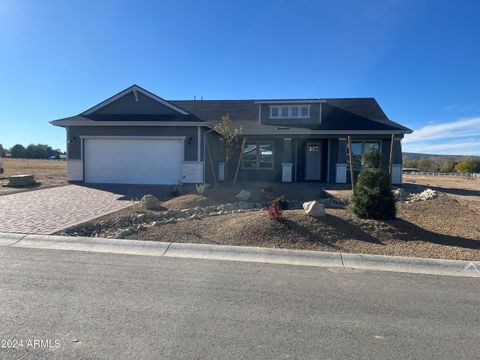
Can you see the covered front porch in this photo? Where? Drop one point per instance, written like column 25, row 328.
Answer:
column 321, row 159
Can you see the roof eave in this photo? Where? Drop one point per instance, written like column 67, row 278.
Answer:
column 297, row 131
column 70, row 122
column 300, row 101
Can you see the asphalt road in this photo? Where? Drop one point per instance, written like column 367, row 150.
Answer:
column 106, row 306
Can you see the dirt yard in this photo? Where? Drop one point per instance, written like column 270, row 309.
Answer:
column 465, row 190
column 48, row 173
column 438, row 228
column 446, row 227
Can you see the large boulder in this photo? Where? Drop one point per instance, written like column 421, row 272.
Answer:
column 314, row 208
column 243, row 195
column 150, row 202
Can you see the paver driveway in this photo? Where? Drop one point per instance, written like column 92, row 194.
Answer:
column 50, row 210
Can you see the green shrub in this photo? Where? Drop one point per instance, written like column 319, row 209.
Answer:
column 372, row 196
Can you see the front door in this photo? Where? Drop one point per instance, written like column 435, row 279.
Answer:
column 313, row 159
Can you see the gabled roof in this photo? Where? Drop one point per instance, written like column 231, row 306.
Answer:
column 133, row 106
column 136, row 106
column 135, row 89
column 337, row 114
column 213, row 110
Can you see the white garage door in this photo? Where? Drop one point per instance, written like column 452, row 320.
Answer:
column 133, row 161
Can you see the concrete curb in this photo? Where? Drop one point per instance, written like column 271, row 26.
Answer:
column 102, row 245
column 247, row 254
column 410, row 265
column 255, row 254
column 8, row 239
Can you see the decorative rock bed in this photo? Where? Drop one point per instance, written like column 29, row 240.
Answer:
column 126, row 225
column 401, row 195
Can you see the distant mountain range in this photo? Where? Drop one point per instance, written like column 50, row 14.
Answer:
column 418, row 156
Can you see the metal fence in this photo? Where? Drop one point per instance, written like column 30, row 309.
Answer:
column 428, row 173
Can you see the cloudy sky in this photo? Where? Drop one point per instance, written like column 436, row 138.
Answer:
column 419, row 59
column 460, row 136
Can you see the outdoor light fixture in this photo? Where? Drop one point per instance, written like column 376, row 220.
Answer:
column 190, row 140
column 71, row 139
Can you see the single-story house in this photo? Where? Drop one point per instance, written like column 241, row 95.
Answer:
column 136, row 137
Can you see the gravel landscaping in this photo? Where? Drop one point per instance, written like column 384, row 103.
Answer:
column 449, row 231
column 431, row 225
column 136, row 218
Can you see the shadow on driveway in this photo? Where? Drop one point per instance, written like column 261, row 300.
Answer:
column 136, row 192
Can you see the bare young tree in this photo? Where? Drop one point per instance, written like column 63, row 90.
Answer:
column 229, row 138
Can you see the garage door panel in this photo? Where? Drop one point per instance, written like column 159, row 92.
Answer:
column 133, row 161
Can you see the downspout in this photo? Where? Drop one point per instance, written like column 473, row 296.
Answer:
column 205, row 152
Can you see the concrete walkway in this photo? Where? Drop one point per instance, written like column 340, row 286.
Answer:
column 51, row 210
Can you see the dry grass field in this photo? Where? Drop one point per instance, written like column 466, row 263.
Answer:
column 47, row 172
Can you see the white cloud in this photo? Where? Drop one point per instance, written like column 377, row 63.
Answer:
column 459, row 148
column 448, row 131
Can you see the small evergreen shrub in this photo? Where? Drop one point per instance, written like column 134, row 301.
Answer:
column 372, row 196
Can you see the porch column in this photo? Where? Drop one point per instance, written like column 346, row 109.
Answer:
column 397, row 164
column 287, row 164
column 341, row 165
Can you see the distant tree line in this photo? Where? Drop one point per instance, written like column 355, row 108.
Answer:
column 32, row 151
column 467, row 165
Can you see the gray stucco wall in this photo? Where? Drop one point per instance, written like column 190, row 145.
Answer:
column 190, row 132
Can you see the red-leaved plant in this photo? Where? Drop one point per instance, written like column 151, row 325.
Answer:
column 275, row 211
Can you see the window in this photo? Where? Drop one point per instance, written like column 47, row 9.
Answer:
column 305, row 111
column 358, row 148
column 257, row 155
column 294, row 111
column 249, row 158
